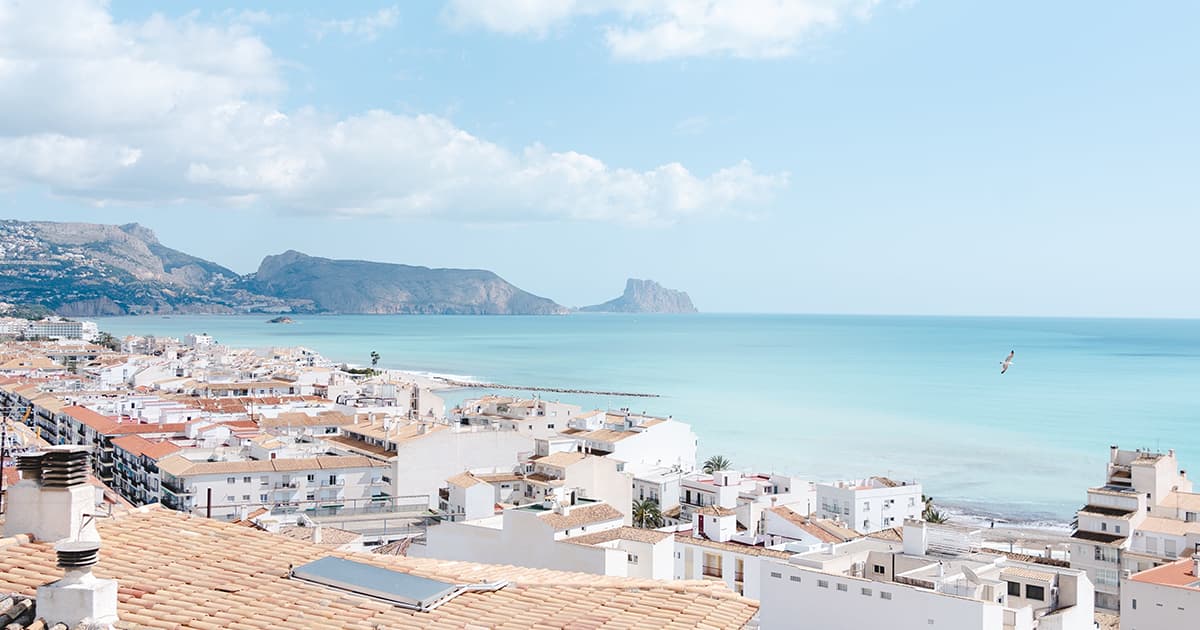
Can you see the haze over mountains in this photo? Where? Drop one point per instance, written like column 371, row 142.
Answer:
column 88, row 270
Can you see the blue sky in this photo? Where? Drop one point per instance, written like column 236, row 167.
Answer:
column 842, row 156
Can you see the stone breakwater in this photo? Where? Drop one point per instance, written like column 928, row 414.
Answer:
column 557, row 390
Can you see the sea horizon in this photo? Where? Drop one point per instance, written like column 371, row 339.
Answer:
column 823, row 397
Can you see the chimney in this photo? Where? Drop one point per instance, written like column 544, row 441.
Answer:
column 79, row 598
column 1112, row 453
column 915, row 537
column 53, row 500
column 317, row 534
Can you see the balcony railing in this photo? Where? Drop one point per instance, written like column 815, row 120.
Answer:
column 714, row 572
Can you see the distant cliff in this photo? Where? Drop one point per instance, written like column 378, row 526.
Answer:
column 646, row 296
column 358, row 286
column 90, row 270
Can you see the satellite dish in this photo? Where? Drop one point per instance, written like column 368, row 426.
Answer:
column 972, row 577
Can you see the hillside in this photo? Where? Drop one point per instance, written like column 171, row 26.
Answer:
column 90, row 270
column 358, row 286
column 86, row 269
column 645, row 296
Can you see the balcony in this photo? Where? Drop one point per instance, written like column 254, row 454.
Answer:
column 712, row 572
column 286, row 484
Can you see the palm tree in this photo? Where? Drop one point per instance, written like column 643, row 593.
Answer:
column 646, row 514
column 374, row 358
column 931, row 513
column 715, row 463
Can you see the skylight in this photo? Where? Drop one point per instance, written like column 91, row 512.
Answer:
column 402, row 589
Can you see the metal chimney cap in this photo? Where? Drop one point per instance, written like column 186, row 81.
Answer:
column 77, row 554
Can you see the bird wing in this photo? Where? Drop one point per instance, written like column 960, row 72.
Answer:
column 1010, row 355
column 1003, row 368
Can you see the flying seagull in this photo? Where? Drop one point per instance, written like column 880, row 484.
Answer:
column 1007, row 362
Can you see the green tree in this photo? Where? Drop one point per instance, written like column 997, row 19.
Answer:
column 374, row 358
column 931, row 514
column 108, row 341
column 715, row 463
column 646, row 514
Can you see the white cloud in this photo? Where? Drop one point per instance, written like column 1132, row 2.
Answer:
column 367, row 27
column 168, row 110
column 692, row 125
column 651, row 30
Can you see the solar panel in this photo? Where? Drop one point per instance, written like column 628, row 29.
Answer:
column 399, row 588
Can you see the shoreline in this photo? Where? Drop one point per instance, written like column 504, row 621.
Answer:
column 1004, row 525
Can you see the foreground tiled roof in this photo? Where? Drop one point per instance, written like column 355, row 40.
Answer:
column 181, row 571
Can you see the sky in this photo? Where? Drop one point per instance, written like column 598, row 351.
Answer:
column 807, row 156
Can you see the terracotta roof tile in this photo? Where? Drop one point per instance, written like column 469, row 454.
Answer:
column 189, row 564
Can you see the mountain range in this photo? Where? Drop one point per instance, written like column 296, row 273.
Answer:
column 89, row 270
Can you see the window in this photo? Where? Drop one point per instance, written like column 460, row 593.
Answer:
column 880, row 569
column 866, row 525
column 1117, row 528
column 1107, row 577
column 245, row 497
column 245, row 480
column 883, row 595
column 911, row 502
column 794, row 578
column 842, row 587
column 1134, row 603
column 1103, row 527
column 231, row 480
column 738, row 570
column 1014, row 589
column 333, row 480
column 776, row 575
column 310, row 496
column 1035, row 592
column 633, row 559
column 262, row 497
column 712, row 565
column 312, row 477
column 549, row 426
column 230, row 498
column 822, row 583
column 866, row 506
column 866, row 591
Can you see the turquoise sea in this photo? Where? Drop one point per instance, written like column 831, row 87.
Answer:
column 823, row 397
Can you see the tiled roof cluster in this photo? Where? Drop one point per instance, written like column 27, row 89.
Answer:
column 177, row 571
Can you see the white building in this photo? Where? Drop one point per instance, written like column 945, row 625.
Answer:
column 59, row 328
column 642, row 442
column 935, row 578
column 198, row 341
column 659, row 484
column 467, row 498
column 536, row 417
column 870, row 505
column 747, row 494
column 423, row 455
column 1162, row 597
column 712, row 551
column 1140, row 518
column 784, row 525
column 586, row 537
column 222, row 488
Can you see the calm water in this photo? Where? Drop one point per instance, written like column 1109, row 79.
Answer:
column 824, row 396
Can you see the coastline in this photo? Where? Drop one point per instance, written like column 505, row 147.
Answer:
column 1028, row 534
column 778, row 393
